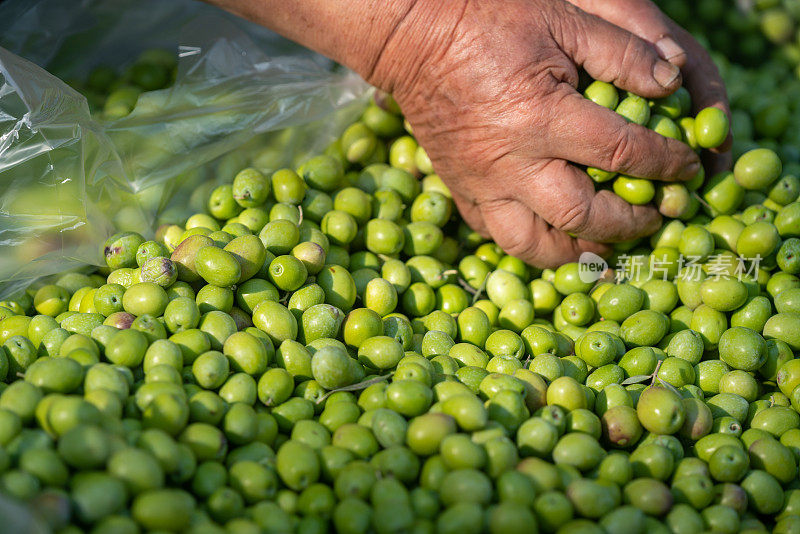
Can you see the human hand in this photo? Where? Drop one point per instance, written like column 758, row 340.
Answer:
column 490, row 90
column 676, row 45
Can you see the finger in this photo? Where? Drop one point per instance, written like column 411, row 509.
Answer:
column 582, row 132
column 611, row 54
column 522, row 233
column 641, row 18
column 469, row 212
column 565, row 197
column 644, row 19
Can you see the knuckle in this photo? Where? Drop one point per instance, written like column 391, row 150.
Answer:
column 515, row 247
column 511, row 230
column 575, row 218
column 623, row 152
column 629, row 59
column 470, row 213
column 531, row 251
column 564, row 22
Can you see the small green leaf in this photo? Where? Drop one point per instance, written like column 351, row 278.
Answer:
column 636, row 379
column 669, row 386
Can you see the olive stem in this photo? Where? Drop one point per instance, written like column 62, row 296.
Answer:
column 468, row 288
column 655, row 373
column 356, row 387
column 478, row 292
column 701, row 200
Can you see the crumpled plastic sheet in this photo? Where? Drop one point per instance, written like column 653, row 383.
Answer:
column 17, row 518
column 68, row 180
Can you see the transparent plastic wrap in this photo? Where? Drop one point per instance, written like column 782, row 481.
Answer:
column 68, row 179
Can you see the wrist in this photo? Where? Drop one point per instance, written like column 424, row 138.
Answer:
column 387, row 42
column 351, row 32
column 413, row 43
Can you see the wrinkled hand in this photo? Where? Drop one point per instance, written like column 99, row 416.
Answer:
column 676, row 45
column 490, row 90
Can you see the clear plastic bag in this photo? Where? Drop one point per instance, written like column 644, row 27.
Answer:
column 71, row 38
column 68, row 180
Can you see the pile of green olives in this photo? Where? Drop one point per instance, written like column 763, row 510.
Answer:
column 330, row 348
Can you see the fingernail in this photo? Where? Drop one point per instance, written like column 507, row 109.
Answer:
column 665, row 73
column 668, row 49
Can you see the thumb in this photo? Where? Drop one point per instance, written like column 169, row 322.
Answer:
column 674, row 44
column 641, row 18
column 612, row 54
